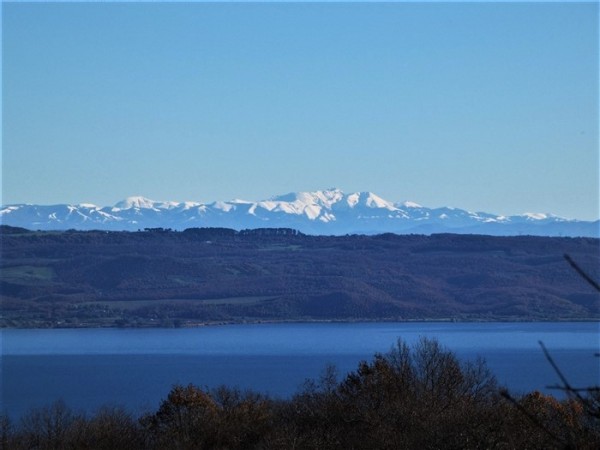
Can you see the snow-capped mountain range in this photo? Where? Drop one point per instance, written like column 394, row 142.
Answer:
column 330, row 212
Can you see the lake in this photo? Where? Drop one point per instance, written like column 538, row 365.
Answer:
column 136, row 368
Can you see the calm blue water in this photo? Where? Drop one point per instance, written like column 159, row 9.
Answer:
column 136, row 368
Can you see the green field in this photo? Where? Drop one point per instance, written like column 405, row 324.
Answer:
column 26, row 274
column 128, row 305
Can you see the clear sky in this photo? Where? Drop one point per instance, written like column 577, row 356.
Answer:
column 483, row 106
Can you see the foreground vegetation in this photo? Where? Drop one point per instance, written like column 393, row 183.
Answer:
column 412, row 397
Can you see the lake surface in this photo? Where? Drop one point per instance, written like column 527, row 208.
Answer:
column 88, row 368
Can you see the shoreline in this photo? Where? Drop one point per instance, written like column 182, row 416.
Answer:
column 310, row 321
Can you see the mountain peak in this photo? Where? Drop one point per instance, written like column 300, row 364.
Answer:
column 408, row 204
column 135, row 201
column 323, row 198
column 369, row 200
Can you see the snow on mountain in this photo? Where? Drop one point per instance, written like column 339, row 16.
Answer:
column 138, row 202
column 369, row 200
column 223, row 206
column 328, row 211
column 313, row 205
column 410, row 205
column 536, row 216
column 135, row 202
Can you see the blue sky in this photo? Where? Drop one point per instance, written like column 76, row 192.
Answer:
column 484, row 106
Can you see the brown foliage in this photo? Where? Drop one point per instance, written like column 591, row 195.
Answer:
column 411, row 397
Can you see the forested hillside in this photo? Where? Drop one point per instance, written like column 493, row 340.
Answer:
column 160, row 277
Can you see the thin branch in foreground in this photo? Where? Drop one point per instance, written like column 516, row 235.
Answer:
column 504, row 393
column 566, row 385
column 583, row 389
column 580, row 271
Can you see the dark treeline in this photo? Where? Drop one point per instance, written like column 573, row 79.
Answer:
column 419, row 397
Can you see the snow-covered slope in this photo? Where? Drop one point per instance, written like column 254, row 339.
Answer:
column 321, row 212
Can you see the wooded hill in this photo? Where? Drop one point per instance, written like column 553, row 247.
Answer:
column 160, row 277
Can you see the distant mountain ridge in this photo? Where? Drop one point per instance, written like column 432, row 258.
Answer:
column 328, row 212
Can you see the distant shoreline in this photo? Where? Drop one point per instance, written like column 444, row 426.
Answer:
column 300, row 321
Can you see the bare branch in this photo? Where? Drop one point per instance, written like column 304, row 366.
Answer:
column 504, row 393
column 567, row 386
column 580, row 271
column 584, row 389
